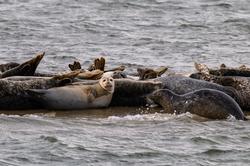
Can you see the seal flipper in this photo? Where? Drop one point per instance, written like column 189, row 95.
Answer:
column 39, row 93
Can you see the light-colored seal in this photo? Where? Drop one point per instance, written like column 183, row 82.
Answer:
column 77, row 96
column 212, row 104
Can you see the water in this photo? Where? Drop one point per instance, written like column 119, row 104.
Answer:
column 136, row 33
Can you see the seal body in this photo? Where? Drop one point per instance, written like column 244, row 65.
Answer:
column 14, row 90
column 133, row 93
column 240, row 84
column 181, row 85
column 77, row 96
column 212, row 104
column 14, row 93
column 8, row 66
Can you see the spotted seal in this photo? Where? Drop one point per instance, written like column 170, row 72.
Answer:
column 212, row 104
column 181, row 85
column 240, row 84
column 77, row 96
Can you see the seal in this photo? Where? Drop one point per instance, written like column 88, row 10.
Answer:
column 27, row 68
column 240, row 84
column 208, row 103
column 224, row 70
column 77, row 96
column 133, row 92
column 8, row 66
column 181, row 85
column 147, row 73
column 14, row 91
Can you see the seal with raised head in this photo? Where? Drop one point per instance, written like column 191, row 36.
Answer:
column 27, row 68
column 208, row 103
column 181, row 85
column 77, row 96
column 239, row 83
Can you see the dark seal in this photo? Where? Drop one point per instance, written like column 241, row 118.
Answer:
column 27, row 68
column 14, row 92
column 208, row 103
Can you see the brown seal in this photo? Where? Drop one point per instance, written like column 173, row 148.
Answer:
column 207, row 103
column 147, row 73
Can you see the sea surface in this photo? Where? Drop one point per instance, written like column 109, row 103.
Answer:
column 134, row 33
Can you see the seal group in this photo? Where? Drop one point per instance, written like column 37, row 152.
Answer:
column 97, row 87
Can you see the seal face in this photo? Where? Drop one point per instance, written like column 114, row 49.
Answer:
column 107, row 83
column 207, row 103
column 77, row 96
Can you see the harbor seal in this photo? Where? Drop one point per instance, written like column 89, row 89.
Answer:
column 132, row 92
column 181, row 85
column 14, row 95
column 240, row 84
column 212, row 104
column 27, row 68
column 77, row 96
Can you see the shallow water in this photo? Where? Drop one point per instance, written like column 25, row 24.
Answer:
column 136, row 33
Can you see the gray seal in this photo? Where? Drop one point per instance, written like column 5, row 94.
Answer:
column 208, row 103
column 14, row 91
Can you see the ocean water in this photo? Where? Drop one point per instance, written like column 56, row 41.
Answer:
column 134, row 33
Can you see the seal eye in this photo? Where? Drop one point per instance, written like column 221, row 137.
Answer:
column 111, row 80
column 104, row 80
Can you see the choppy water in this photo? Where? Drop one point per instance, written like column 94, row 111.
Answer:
column 134, row 33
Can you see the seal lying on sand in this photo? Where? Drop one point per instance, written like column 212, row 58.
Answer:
column 77, row 96
column 207, row 103
column 14, row 91
column 27, row 68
